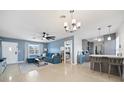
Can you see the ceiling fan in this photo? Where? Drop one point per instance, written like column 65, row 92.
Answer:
column 47, row 36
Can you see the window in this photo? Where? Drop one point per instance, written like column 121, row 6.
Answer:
column 33, row 50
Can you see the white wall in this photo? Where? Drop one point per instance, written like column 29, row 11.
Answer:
column 78, row 37
column 77, row 46
column 117, row 43
column 121, row 38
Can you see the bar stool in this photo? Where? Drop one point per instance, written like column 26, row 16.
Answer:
column 97, row 60
column 92, row 59
column 115, row 62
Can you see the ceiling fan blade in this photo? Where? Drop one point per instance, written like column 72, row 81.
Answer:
column 53, row 38
column 46, row 36
column 50, row 36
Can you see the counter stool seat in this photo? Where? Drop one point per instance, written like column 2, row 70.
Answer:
column 115, row 62
column 97, row 60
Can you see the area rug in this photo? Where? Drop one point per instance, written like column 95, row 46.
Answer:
column 25, row 67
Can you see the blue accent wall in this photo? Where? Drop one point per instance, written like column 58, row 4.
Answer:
column 45, row 45
column 21, row 46
column 54, row 47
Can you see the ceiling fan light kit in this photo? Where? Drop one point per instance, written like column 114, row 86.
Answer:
column 47, row 36
column 44, row 36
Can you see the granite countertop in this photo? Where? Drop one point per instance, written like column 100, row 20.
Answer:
column 2, row 59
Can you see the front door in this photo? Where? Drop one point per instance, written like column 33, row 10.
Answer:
column 10, row 52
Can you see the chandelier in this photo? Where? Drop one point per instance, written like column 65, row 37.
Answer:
column 74, row 26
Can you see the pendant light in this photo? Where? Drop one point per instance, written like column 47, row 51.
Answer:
column 109, row 27
column 99, row 38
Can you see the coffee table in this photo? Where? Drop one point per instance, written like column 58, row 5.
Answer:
column 41, row 63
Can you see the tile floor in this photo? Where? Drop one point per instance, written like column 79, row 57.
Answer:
column 55, row 73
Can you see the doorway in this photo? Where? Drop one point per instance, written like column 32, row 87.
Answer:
column 10, row 52
column 68, row 51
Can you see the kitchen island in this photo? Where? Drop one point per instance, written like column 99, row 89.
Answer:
column 105, row 61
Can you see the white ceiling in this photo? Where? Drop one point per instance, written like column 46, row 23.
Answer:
column 26, row 24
